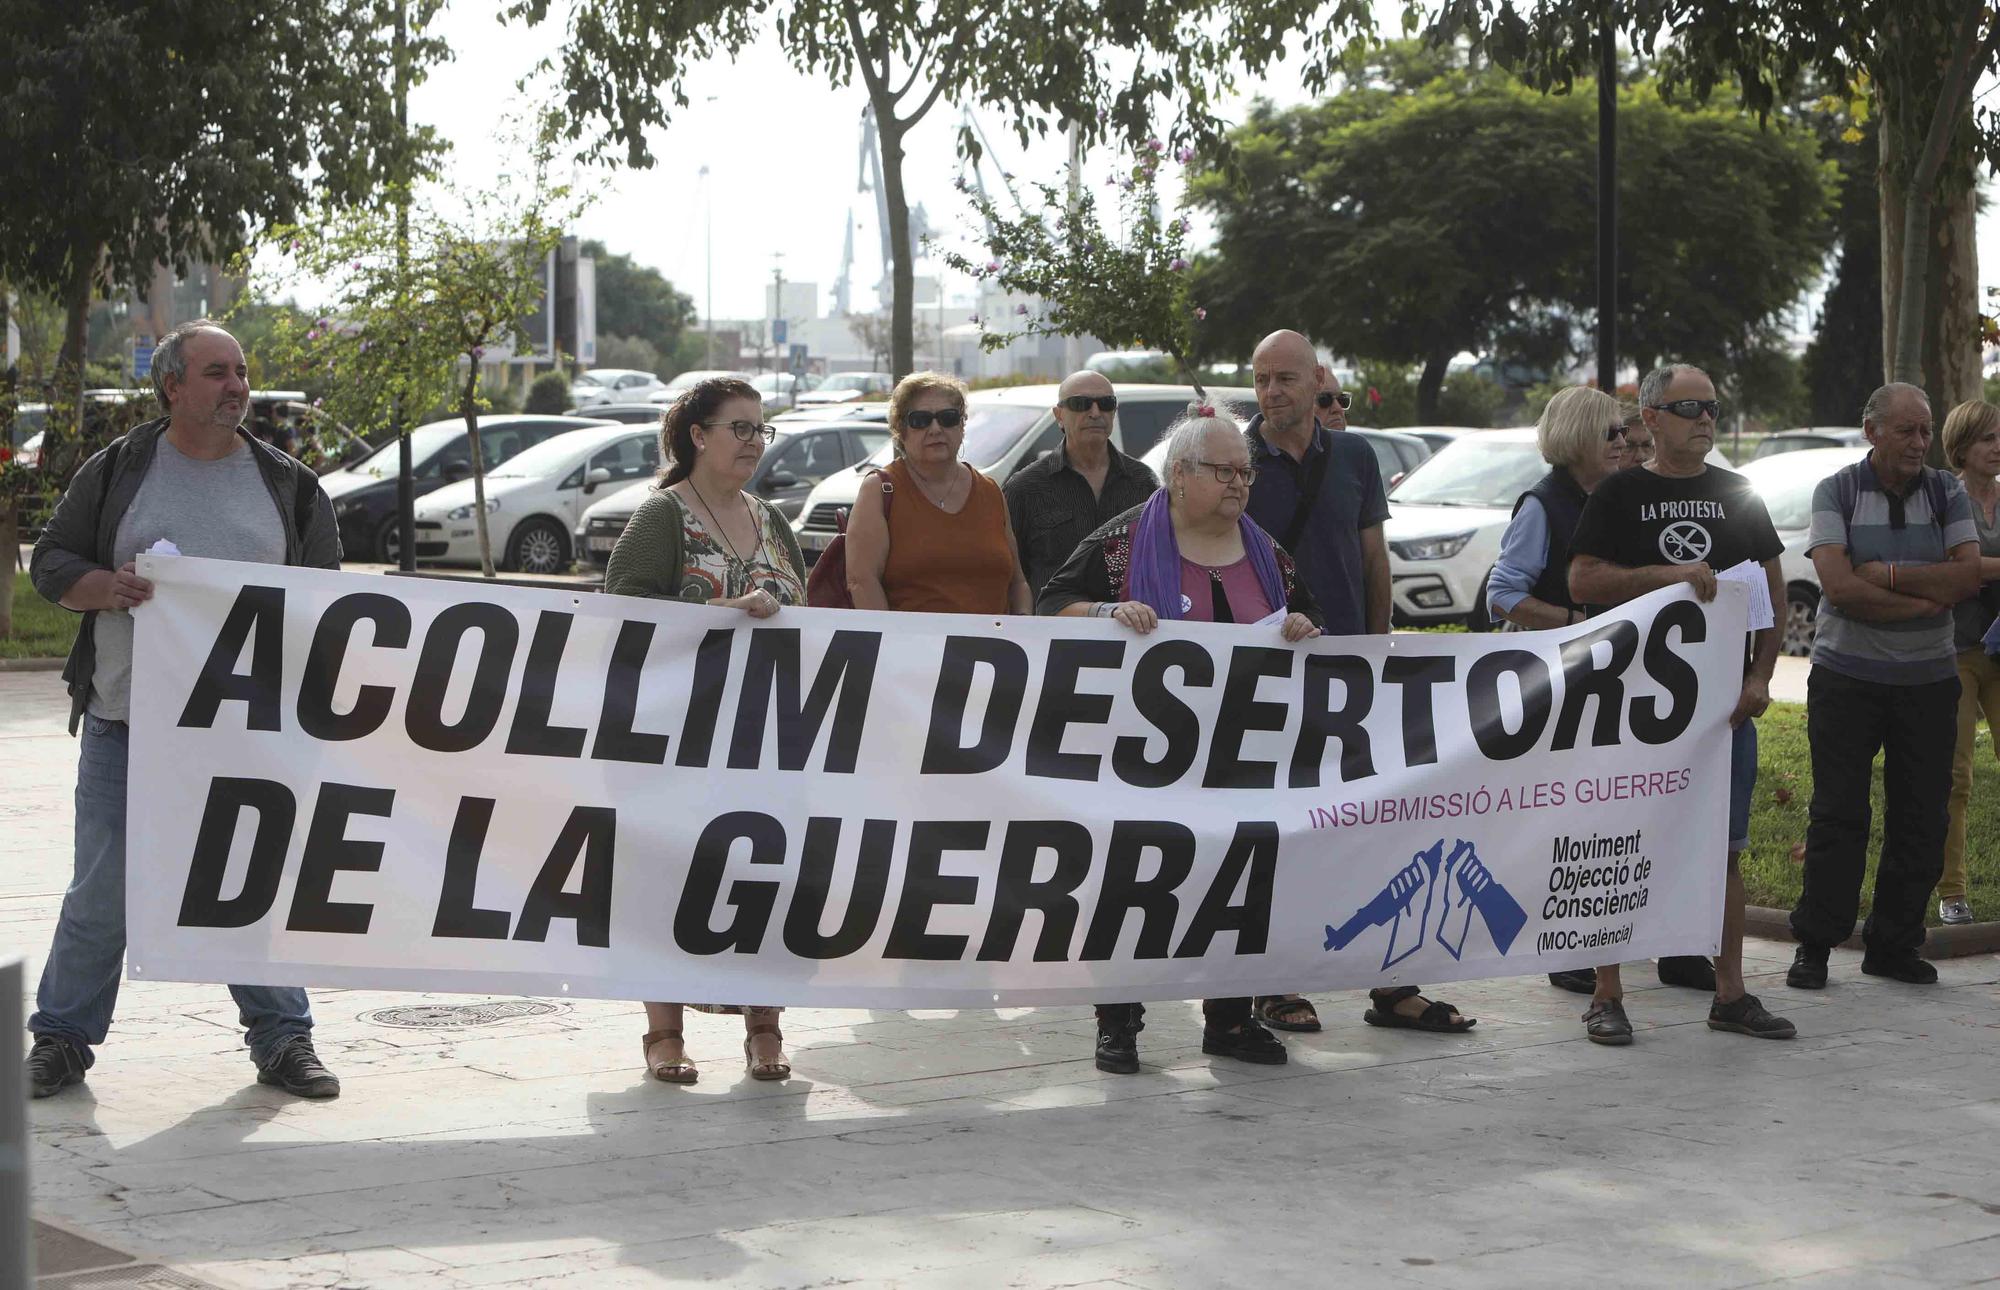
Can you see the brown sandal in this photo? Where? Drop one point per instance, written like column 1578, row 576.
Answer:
column 680, row 1072
column 756, row 1067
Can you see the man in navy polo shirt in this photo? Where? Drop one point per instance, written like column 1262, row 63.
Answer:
column 1319, row 493
column 1895, row 547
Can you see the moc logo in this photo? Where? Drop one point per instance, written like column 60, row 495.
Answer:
column 1440, row 891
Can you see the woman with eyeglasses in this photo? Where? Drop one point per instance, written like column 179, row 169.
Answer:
column 930, row 534
column 1582, row 437
column 1188, row 554
column 700, row 537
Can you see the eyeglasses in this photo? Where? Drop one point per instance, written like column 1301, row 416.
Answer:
column 1082, row 402
column 1227, row 471
column 1689, row 409
column 745, row 430
column 921, row 419
column 1327, row 398
column 1613, row 432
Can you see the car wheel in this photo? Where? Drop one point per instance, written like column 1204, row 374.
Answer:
column 538, row 546
column 1801, row 619
column 389, row 541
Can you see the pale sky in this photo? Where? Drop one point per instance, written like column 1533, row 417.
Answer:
column 782, row 151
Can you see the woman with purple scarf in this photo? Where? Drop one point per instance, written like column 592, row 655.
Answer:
column 1189, row 553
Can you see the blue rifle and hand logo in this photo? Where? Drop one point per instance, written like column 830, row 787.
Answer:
column 1435, row 890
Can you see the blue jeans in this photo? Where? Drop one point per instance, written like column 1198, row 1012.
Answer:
column 80, row 979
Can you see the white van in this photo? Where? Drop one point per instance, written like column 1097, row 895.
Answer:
column 1005, row 429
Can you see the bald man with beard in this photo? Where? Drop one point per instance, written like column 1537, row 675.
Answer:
column 1078, row 486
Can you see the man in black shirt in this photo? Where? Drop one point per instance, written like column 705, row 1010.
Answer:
column 1069, row 493
column 1678, row 519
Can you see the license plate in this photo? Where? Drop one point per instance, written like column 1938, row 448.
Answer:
column 813, row 542
column 602, row 542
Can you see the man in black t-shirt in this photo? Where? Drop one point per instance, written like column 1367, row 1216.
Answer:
column 1678, row 519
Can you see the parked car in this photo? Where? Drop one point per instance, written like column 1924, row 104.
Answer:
column 1396, row 453
column 804, row 453
column 1786, row 482
column 846, row 387
column 1008, row 428
column 1445, row 522
column 631, row 414
column 1438, row 436
column 612, row 385
column 364, row 493
column 779, row 388
column 1785, row 441
column 672, row 389
column 876, row 412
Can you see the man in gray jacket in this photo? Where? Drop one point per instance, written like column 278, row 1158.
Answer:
column 197, row 479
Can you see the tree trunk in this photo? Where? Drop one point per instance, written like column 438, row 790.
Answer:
column 1930, row 264
column 1430, row 385
column 469, row 407
column 902, row 276
column 10, row 542
column 66, row 413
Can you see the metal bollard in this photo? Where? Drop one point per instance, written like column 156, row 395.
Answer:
column 17, row 1251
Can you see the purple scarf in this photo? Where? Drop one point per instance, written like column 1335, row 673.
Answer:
column 1155, row 575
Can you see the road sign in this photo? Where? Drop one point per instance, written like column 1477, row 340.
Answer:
column 142, row 356
column 798, row 360
column 777, row 331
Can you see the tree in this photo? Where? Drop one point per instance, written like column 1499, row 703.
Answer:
column 1038, row 64
column 636, row 302
column 415, row 329
column 1478, row 247
column 1131, row 291
column 1842, row 364
column 1916, row 61
column 548, row 395
column 875, row 335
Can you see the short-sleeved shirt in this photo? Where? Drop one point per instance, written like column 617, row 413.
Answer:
column 1053, row 507
column 1973, row 618
column 1351, row 498
column 1894, row 529
column 1638, row 518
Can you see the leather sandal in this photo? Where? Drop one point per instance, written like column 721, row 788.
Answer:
column 674, row 1072
column 757, row 1067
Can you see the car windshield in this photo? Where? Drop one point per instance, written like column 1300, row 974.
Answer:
column 1473, row 471
column 990, row 430
column 382, row 462
column 589, row 378
column 551, row 456
column 847, row 381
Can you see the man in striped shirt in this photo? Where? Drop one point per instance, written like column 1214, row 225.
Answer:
column 1895, row 548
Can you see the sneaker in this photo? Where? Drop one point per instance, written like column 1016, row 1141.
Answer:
column 1907, row 968
column 1956, row 912
column 1808, row 970
column 1605, row 1022
column 1748, row 1016
column 1576, row 980
column 1118, row 1052
column 1249, row 1042
column 1691, row 971
column 53, row 1065
column 295, row 1068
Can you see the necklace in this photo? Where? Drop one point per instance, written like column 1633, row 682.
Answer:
column 739, row 567
column 949, row 489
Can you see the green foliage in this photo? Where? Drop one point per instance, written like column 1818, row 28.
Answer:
column 548, row 395
column 1723, row 224
column 41, row 630
column 629, row 351
column 1386, row 398
column 1129, row 287
column 1843, row 364
column 636, row 302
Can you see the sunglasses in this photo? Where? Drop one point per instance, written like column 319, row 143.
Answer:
column 745, row 430
column 921, row 420
column 1082, row 402
column 1327, row 398
column 1689, row 409
column 1613, row 432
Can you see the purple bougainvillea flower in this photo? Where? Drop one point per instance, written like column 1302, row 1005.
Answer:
column 1154, row 145
column 1184, row 154
column 1177, row 264
column 1200, row 314
column 1021, row 310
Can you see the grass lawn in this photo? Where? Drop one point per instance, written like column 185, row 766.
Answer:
column 41, row 630
column 1784, row 790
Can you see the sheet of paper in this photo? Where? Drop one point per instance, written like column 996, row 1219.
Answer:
column 1273, row 618
column 1751, row 575
column 163, row 546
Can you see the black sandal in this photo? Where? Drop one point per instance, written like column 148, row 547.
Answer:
column 1281, row 1013
column 1249, row 1042
column 1437, row 1015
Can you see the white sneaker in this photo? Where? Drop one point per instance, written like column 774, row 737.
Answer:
column 1955, row 912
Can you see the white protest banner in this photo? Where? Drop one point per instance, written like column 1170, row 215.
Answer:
column 348, row 780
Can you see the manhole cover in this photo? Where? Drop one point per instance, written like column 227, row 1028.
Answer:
column 440, row 1016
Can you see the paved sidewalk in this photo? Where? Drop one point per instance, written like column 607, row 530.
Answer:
column 975, row 1149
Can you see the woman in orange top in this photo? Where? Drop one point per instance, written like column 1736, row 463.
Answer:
column 945, row 546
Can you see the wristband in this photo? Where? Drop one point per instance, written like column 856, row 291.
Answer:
column 1102, row 609
column 1892, row 577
